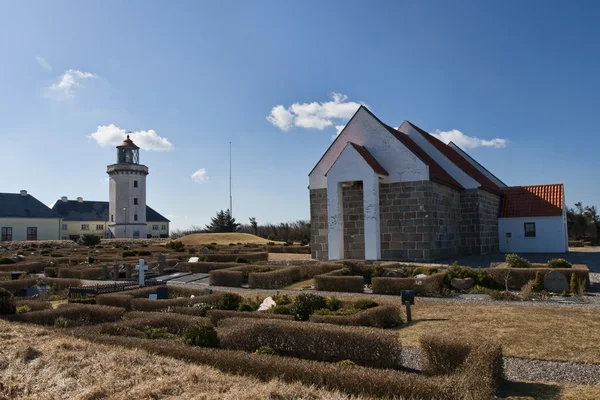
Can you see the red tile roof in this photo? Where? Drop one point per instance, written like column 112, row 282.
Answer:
column 459, row 161
column 368, row 157
column 532, row 201
column 436, row 172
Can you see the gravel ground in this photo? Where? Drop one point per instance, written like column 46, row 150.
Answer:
column 521, row 369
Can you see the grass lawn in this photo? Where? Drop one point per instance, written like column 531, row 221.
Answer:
column 301, row 284
column 197, row 239
column 288, row 256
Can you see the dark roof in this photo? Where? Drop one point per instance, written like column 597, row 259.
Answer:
column 14, row 205
column 73, row 210
column 436, row 172
column 532, row 201
column 128, row 143
column 458, row 160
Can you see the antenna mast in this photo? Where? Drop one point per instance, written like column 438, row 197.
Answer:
column 230, row 198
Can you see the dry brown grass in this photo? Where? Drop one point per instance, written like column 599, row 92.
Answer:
column 197, row 239
column 288, row 257
column 38, row 363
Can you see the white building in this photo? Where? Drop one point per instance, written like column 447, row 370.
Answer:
column 23, row 217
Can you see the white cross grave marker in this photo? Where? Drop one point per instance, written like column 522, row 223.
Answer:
column 141, row 268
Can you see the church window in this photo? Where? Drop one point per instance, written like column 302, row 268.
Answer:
column 31, row 233
column 154, row 227
column 135, row 217
column 135, row 184
column 85, row 227
column 135, row 201
column 6, row 234
column 529, row 229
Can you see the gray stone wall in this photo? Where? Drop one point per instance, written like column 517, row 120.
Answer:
column 479, row 231
column 489, row 210
column 318, row 224
column 354, row 221
column 469, row 208
column 444, row 215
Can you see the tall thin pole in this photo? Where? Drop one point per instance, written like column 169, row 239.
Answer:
column 230, row 198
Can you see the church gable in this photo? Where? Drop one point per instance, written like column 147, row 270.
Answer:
column 364, row 129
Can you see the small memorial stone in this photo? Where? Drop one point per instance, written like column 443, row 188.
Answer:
column 556, row 282
column 205, row 250
column 162, row 293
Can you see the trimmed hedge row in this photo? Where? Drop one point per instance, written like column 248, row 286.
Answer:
column 376, row 317
column 29, row 267
column 34, row 305
column 142, row 304
column 22, row 284
column 289, row 249
column 78, row 273
column 309, row 270
column 218, row 315
column 334, row 283
column 274, row 279
column 250, row 257
column 175, row 323
column 76, row 314
column 115, row 300
column 520, row 276
column 203, row 267
column 323, row 342
column 226, row 277
column 431, row 284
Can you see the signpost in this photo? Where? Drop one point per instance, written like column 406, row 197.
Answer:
column 408, row 299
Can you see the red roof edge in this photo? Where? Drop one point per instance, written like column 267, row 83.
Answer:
column 368, row 157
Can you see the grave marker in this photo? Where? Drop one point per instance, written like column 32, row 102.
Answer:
column 556, row 282
column 142, row 268
column 162, row 293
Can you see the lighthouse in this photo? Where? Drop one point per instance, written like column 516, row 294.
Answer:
column 127, row 193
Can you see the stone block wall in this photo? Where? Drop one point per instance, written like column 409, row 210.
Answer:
column 318, row 224
column 489, row 210
column 354, row 221
column 479, row 231
column 469, row 208
column 445, row 219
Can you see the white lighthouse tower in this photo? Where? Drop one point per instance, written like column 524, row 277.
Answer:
column 127, row 193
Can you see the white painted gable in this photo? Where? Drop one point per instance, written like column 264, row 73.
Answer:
column 458, row 174
column 349, row 166
column 479, row 167
column 401, row 164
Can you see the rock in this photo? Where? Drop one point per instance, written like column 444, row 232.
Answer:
column 393, row 273
column 193, row 259
column 420, row 276
column 462, row 284
column 266, row 304
column 20, row 257
column 556, row 282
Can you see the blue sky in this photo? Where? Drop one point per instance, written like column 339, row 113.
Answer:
column 188, row 77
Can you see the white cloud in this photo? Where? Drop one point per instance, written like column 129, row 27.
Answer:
column 43, row 63
column 313, row 115
column 107, row 135
column 69, row 81
column 200, row 176
column 172, row 216
column 468, row 142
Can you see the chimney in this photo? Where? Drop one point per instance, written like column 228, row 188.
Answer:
column 64, row 199
column 23, row 193
column 80, row 199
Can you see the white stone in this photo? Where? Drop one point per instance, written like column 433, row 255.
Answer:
column 153, row 296
column 266, row 304
column 420, row 276
column 194, row 259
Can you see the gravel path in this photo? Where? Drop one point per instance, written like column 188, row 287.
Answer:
column 520, row 369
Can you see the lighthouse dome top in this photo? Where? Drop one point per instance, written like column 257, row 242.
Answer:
column 127, row 144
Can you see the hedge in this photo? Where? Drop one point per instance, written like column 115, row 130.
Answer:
column 115, row 300
column 203, row 267
column 309, row 270
column 218, row 315
column 29, row 267
column 77, row 314
column 226, row 277
column 322, row 342
column 22, row 284
column 431, row 284
column 80, row 273
column 289, row 249
column 520, row 276
column 250, row 257
column 355, row 380
column 142, row 304
column 376, row 317
column 274, row 279
column 34, row 305
column 175, row 323
column 328, row 283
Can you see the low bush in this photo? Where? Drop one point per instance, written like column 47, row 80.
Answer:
column 538, row 282
column 157, row 333
column 503, row 295
column 265, row 350
column 201, row 335
column 230, row 301
column 7, row 302
column 517, row 277
column 377, row 317
column 217, row 315
column 115, row 300
column 23, row 309
column 342, row 311
column 322, row 342
column 34, row 305
column 6, row 261
column 574, row 285
column 281, row 299
column 333, row 303
column 76, row 314
column 226, row 277
column 129, row 253
column 143, row 253
column 328, row 283
column 309, row 270
column 305, row 304
column 28, row 267
column 559, row 263
column 51, row 272
column 55, row 284
column 285, row 309
column 175, row 245
column 364, row 304
column 274, row 279
column 90, row 240
column 516, row 261
column 175, row 324
column 203, row 266
column 241, row 260
column 162, row 305
column 250, row 257
column 82, row 300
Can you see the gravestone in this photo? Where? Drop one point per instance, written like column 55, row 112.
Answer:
column 104, row 272
column 462, row 284
column 116, row 272
column 153, row 296
column 37, row 290
column 236, row 251
column 205, row 250
column 266, row 304
column 162, row 293
column 194, row 259
column 142, row 268
column 128, row 271
column 393, row 273
column 161, row 263
column 556, row 282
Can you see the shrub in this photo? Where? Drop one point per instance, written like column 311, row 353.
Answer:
column 230, row 301
column 192, row 250
column 83, row 300
column 282, row 299
column 443, row 355
column 62, row 322
column 50, row 272
column 538, row 283
column 129, row 253
column 274, row 279
column 201, row 335
column 527, row 291
column 250, row 257
column 34, row 305
column 516, row 261
column 574, row 285
column 353, row 284
column 363, row 304
column 217, row 315
column 333, row 303
column 7, row 261
column 282, row 309
column 266, row 350
column 241, row 260
column 559, row 263
column 305, row 304
column 7, row 302
column 157, row 333
column 322, row 342
column 77, row 314
column 144, row 253
column 90, row 240
column 270, row 243
column 378, row 317
column 175, row 245
column 115, row 300
column 23, row 309
column 519, row 276
column 245, row 307
column 503, row 295
column 376, row 271
column 225, row 277
column 341, row 311
column 346, row 363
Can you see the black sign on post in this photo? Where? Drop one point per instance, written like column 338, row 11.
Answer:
column 408, row 296
column 162, row 293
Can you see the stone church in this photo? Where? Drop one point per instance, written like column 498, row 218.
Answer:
column 402, row 194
